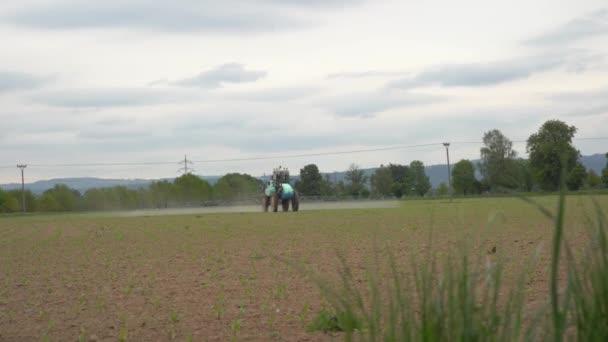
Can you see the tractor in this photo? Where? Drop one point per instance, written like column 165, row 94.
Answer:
column 278, row 190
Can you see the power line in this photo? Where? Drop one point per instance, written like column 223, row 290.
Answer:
column 231, row 159
column 287, row 156
column 103, row 164
column 314, row 154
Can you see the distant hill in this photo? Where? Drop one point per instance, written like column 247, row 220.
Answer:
column 82, row 184
column 595, row 162
column 436, row 173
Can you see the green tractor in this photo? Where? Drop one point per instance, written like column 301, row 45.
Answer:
column 278, row 190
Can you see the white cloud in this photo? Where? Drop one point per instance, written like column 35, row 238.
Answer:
column 227, row 16
column 11, row 81
column 324, row 88
column 368, row 104
column 111, row 97
column 223, row 74
column 497, row 72
column 365, row 74
column 589, row 25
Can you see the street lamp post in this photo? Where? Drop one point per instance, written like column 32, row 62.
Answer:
column 22, row 167
column 447, row 153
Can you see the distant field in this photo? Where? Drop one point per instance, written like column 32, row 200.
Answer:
column 218, row 276
column 330, row 205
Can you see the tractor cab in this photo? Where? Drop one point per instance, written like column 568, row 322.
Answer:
column 280, row 175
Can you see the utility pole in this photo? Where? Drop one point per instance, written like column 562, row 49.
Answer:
column 447, row 153
column 22, row 167
column 185, row 169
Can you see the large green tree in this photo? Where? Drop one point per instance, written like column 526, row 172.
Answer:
column 525, row 175
column 5, row 203
column 356, row 180
column 95, row 199
column 14, row 201
column 123, row 198
column 310, row 182
column 576, row 177
column 328, row 188
column 382, row 181
column 161, row 193
column 47, row 202
column 497, row 164
column 442, row 189
column 342, row 189
column 235, row 186
column 463, row 177
column 417, row 180
column 399, row 174
column 144, row 198
column 61, row 198
column 593, row 179
column 551, row 153
column 114, row 198
column 191, row 189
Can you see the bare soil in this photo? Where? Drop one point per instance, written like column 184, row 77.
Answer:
column 223, row 276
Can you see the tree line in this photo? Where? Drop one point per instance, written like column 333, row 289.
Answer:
column 551, row 154
column 186, row 190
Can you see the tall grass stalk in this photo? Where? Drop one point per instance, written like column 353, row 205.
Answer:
column 451, row 302
column 588, row 283
column 557, row 314
column 459, row 298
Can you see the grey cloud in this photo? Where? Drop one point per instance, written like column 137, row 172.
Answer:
column 238, row 132
column 116, row 134
column 492, row 73
column 213, row 125
column 266, row 139
column 34, row 122
column 180, row 15
column 589, row 110
column 589, row 25
column 315, row 3
column 116, row 120
column 593, row 95
column 580, row 103
column 366, row 105
column 108, row 97
column 289, row 93
column 227, row 73
column 365, row 74
column 10, row 81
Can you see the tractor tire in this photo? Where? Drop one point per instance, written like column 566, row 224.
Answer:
column 265, row 203
column 274, row 202
column 285, row 205
column 295, row 202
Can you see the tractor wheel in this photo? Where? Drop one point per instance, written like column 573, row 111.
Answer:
column 285, row 205
column 274, row 202
column 295, row 202
column 265, row 203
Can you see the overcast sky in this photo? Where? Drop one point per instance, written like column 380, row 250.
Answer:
column 149, row 81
